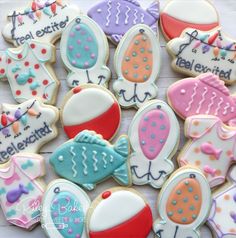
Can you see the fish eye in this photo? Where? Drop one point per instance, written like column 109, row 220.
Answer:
column 158, row 106
column 60, row 158
column 99, row 10
column 193, row 176
column 141, row 31
column 57, row 190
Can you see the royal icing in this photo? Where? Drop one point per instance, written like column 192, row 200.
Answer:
column 26, row 127
column 64, row 208
column 222, row 217
column 178, row 15
column 85, row 51
column 137, row 64
column 183, row 205
column 211, row 147
column 116, row 17
column 154, row 137
column 20, row 190
column 106, row 218
column 42, row 20
column 205, row 94
column 196, row 52
column 90, row 107
column 29, row 73
column 89, row 159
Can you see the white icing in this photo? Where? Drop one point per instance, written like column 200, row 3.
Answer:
column 116, row 209
column 194, row 11
column 88, row 104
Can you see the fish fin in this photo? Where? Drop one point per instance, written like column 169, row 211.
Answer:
column 121, row 175
column 154, row 9
column 89, row 186
column 136, row 3
column 116, row 38
column 214, row 81
column 122, row 146
column 232, row 122
column 23, row 189
column 154, row 28
column 89, row 137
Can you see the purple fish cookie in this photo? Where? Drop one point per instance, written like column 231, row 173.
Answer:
column 116, row 17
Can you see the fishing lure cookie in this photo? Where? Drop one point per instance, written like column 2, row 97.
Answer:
column 196, row 52
column 42, row 20
column 205, row 94
column 119, row 212
column 85, row 51
column 183, row 205
column 116, row 17
column 26, row 127
column 90, row 107
column 222, row 217
column 29, row 72
column 137, row 63
column 154, row 137
column 21, row 189
column 64, row 208
column 89, row 159
column 211, row 147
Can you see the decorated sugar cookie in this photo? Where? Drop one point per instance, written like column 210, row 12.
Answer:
column 26, row 127
column 42, row 20
column 85, row 51
column 89, row 159
column 211, row 147
column 222, row 217
column 116, row 17
column 21, row 191
column 154, row 137
column 119, row 212
column 183, row 205
column 90, row 107
column 196, row 52
column 64, row 209
column 137, row 63
column 205, row 94
column 29, row 72
column 178, row 15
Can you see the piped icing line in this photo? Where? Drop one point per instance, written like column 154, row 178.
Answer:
column 104, row 155
column 142, row 18
column 202, row 100
column 84, row 160
column 135, row 16
column 127, row 15
column 73, row 161
column 111, row 159
column 226, row 108
column 109, row 3
column 219, row 106
column 118, row 13
column 212, row 102
column 95, row 161
column 192, row 97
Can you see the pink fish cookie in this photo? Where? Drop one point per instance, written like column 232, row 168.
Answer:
column 205, row 94
column 222, row 217
column 21, row 191
column 211, row 147
column 183, row 204
column 154, row 136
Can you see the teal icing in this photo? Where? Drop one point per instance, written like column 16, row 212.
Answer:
column 23, row 77
column 67, row 215
column 87, row 160
column 82, row 47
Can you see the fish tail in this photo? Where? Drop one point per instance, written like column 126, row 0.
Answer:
column 218, row 153
column 154, row 9
column 23, row 189
column 122, row 146
column 31, row 73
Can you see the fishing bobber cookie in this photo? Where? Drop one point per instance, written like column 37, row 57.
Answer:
column 42, row 20
column 64, row 208
column 85, row 51
column 210, row 147
column 222, row 217
column 119, row 212
column 183, row 204
column 137, row 64
column 178, row 15
column 90, row 107
column 154, row 137
column 116, row 17
column 88, row 159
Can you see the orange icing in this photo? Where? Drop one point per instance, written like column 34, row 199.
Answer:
column 138, row 60
column 184, row 202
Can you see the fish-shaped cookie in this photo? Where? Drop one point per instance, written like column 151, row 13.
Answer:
column 116, row 17
column 205, row 94
column 89, row 159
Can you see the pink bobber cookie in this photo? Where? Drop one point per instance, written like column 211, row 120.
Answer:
column 119, row 212
column 178, row 15
column 205, row 94
column 222, row 217
column 90, row 107
column 211, row 147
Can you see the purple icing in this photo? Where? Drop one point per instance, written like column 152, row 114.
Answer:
column 116, row 17
column 15, row 194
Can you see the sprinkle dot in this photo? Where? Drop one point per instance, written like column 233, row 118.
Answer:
column 134, row 54
column 196, row 197
column 154, row 124
column 174, row 202
column 162, row 141
column 136, row 42
column 182, row 91
column 142, row 50
column 78, row 42
column 190, row 189
column 184, row 219
column 127, row 59
column 126, row 72
column 147, row 67
column 194, row 216
column 186, row 182
column 77, row 27
column 143, row 142
column 192, row 208
column 153, row 136
column 135, row 66
column 86, row 48
column 178, row 192
column 92, row 56
column 170, row 214
column 144, row 38
column 162, row 127
column 185, row 200
column 78, row 55
column 135, row 76
column 145, row 77
column 180, row 211
column 145, row 59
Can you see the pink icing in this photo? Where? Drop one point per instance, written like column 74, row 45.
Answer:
column 12, row 179
column 154, row 128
